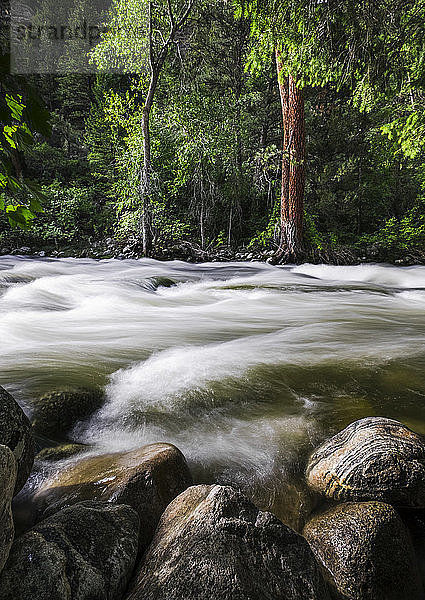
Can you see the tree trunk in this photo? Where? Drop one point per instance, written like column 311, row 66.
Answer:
column 146, row 168
column 293, row 166
column 229, row 231
column 156, row 62
column 146, row 186
column 201, row 222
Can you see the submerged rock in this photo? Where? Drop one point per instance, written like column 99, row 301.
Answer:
column 61, row 452
column 371, row 459
column 147, row 479
column 16, row 433
column 213, row 544
column 366, row 551
column 7, row 486
column 85, row 552
column 56, row 414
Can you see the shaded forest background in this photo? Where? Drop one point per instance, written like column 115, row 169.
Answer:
column 216, row 129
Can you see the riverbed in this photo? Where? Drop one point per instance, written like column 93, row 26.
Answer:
column 244, row 366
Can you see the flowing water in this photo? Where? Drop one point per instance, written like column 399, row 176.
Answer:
column 244, row 366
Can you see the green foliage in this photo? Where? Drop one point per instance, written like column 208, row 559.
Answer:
column 364, row 45
column 407, row 134
column 124, row 47
column 71, row 216
column 398, row 236
column 312, row 235
column 268, row 236
column 47, row 163
column 216, row 129
column 21, row 115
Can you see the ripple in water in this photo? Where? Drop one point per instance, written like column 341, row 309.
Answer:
column 244, row 366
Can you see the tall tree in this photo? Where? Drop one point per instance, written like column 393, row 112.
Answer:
column 165, row 21
column 293, row 164
column 365, row 47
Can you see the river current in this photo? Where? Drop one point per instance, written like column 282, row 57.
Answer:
column 244, row 366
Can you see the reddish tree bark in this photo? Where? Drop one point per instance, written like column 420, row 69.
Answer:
column 293, row 165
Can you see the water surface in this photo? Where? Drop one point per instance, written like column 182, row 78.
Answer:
column 244, row 366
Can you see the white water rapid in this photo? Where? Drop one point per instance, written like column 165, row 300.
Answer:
column 244, row 366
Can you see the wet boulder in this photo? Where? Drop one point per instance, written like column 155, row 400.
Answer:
column 56, row 414
column 84, row 552
column 372, row 459
column 366, row 552
column 16, row 433
column 213, row 544
column 147, row 479
column 7, row 485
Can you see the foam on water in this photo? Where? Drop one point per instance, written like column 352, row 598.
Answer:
column 384, row 275
column 244, row 366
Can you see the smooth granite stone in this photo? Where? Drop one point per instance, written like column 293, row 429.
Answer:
column 366, row 552
column 147, row 479
column 372, row 459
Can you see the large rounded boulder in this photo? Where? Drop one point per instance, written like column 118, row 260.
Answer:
column 16, row 433
column 147, row 479
column 7, row 486
column 85, row 552
column 366, row 552
column 372, row 459
column 213, row 544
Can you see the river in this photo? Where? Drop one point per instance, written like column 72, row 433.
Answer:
column 244, row 366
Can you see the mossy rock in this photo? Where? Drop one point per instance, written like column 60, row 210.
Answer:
column 56, row 414
column 84, row 552
column 61, row 452
column 293, row 503
column 16, row 434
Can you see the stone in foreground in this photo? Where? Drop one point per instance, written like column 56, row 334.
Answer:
column 213, row 544
column 147, row 479
column 16, row 433
column 372, row 459
column 85, row 552
column 366, row 551
column 7, row 485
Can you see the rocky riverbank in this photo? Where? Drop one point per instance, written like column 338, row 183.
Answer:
column 132, row 526
column 193, row 253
